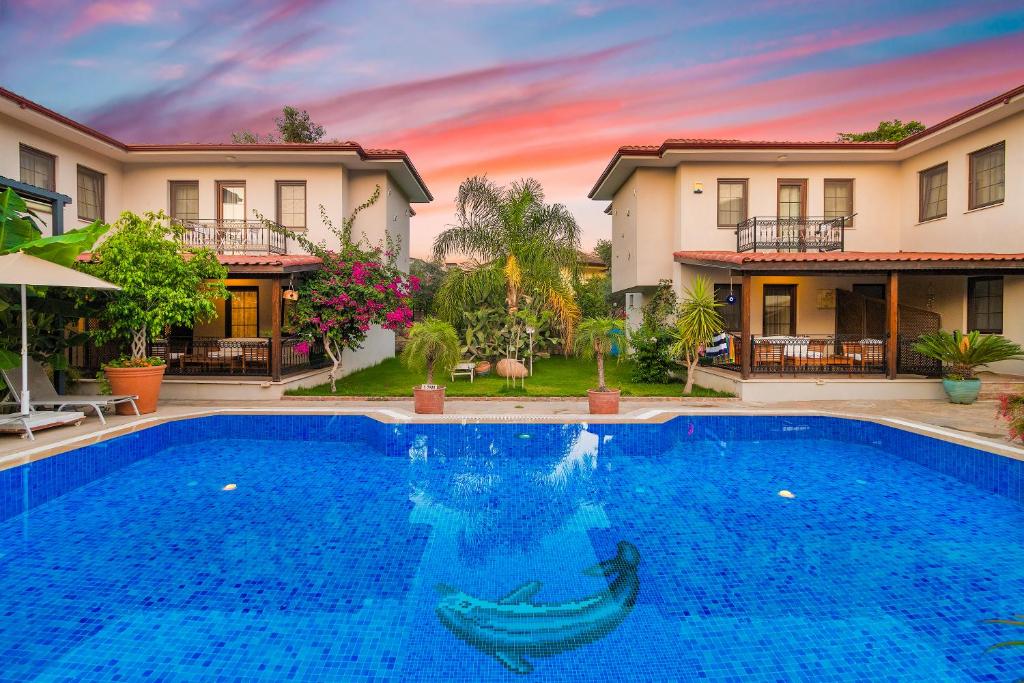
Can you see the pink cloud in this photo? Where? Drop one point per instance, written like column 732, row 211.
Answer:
column 97, row 14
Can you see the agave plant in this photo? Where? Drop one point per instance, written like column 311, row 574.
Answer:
column 962, row 354
column 433, row 346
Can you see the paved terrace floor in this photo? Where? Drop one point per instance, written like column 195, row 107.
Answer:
column 976, row 421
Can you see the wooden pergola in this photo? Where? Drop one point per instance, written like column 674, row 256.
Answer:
column 891, row 264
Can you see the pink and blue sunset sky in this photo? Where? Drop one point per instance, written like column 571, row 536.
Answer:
column 509, row 87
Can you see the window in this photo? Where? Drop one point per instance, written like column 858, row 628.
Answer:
column 38, row 168
column 730, row 312
column 779, row 310
column 291, row 203
column 839, row 200
column 732, row 202
column 185, row 200
column 987, row 176
column 231, row 201
column 985, row 304
column 243, row 312
column 90, row 194
column 791, row 198
column 933, row 192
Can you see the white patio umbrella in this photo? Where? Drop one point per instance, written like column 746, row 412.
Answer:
column 24, row 269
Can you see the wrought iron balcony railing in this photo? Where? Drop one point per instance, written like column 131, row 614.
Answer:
column 233, row 236
column 776, row 233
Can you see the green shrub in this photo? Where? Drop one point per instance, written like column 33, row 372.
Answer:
column 651, row 360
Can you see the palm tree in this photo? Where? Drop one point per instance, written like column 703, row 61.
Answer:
column 698, row 321
column 594, row 340
column 433, row 345
column 518, row 245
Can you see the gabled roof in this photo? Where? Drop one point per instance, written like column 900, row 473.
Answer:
column 640, row 152
column 364, row 154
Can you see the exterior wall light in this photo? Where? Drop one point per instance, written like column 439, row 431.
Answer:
column 698, row 188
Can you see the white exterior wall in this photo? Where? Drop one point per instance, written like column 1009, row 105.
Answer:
column 14, row 133
column 147, row 188
column 997, row 228
column 874, row 202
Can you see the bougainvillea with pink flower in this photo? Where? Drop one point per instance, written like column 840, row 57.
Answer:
column 1011, row 409
column 358, row 286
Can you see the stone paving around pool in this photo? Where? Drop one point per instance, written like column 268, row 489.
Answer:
column 977, row 421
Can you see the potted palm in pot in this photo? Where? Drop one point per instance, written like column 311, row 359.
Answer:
column 961, row 355
column 161, row 286
column 594, row 338
column 433, row 346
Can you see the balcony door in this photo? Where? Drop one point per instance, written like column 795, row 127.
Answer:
column 792, row 198
column 231, row 200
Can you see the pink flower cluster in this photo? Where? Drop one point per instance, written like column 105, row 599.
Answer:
column 351, row 293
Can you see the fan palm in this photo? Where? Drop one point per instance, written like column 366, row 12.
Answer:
column 963, row 353
column 594, row 340
column 518, row 245
column 433, row 345
column 698, row 321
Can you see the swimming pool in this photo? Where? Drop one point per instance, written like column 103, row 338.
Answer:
column 350, row 549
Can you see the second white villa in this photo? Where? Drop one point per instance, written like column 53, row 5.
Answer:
column 831, row 258
column 72, row 174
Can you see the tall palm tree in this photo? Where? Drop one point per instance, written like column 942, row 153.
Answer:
column 518, row 245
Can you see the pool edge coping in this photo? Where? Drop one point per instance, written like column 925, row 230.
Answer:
column 388, row 416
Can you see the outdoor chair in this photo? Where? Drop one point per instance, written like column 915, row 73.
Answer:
column 467, row 368
column 767, row 353
column 43, row 394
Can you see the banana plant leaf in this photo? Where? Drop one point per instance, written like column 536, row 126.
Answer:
column 64, row 249
column 16, row 224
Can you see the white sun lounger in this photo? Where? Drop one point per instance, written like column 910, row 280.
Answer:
column 38, row 419
column 43, row 394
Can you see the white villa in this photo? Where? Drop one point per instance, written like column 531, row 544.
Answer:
column 832, row 257
column 72, row 175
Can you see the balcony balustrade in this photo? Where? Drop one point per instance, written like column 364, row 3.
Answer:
column 777, row 233
column 232, row 237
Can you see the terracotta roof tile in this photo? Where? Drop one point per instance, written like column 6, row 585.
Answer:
column 731, row 257
column 267, row 260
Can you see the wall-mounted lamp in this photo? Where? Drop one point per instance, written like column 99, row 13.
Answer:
column 698, row 188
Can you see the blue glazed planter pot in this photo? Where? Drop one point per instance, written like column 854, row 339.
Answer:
column 962, row 390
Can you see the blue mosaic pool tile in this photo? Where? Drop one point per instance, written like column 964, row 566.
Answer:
column 129, row 560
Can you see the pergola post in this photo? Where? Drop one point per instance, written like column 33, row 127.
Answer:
column 892, row 323
column 275, row 328
column 746, row 345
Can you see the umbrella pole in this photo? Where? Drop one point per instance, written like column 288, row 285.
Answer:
column 24, row 353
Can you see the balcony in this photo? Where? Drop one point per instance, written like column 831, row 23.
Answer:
column 776, row 233
column 233, row 237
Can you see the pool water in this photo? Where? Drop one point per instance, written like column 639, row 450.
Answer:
column 352, row 550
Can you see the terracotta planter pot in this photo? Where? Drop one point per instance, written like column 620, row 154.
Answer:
column 141, row 382
column 483, row 368
column 603, row 402
column 428, row 401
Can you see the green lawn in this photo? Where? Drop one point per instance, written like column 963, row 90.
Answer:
column 556, row 376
